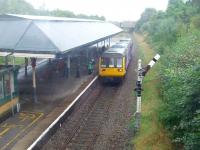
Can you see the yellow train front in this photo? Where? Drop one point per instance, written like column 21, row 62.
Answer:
column 113, row 63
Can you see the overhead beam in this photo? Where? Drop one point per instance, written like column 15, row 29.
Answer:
column 4, row 54
column 31, row 55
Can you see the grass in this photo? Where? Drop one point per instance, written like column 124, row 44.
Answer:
column 152, row 136
column 18, row 61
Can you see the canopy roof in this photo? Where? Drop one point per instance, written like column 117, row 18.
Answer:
column 50, row 35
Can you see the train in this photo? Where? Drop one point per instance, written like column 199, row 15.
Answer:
column 114, row 62
column 9, row 95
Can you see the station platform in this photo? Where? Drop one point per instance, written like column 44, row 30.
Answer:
column 54, row 94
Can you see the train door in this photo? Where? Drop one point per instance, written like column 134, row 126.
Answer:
column 7, row 87
column 1, row 88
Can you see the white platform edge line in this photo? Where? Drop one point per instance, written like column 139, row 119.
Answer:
column 63, row 113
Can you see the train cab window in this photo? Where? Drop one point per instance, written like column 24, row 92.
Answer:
column 104, row 62
column 111, row 62
column 1, row 87
column 108, row 62
column 119, row 63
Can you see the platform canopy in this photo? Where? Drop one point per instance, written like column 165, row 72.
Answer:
column 50, row 35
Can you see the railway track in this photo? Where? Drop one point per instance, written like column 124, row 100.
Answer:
column 82, row 129
column 90, row 120
column 99, row 120
column 91, row 127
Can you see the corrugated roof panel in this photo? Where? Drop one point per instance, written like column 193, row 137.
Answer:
column 36, row 34
column 10, row 17
column 51, row 18
column 34, row 55
column 11, row 32
column 34, row 40
column 68, row 35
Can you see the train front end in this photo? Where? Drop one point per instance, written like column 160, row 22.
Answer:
column 112, row 66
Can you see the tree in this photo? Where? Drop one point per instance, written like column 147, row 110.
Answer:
column 16, row 6
column 23, row 7
column 145, row 17
column 175, row 34
column 62, row 13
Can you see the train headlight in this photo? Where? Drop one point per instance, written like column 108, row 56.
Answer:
column 120, row 70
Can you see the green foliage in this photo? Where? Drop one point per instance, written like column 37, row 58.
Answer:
column 145, row 17
column 16, row 6
column 181, row 86
column 23, row 7
column 62, row 13
column 175, row 34
column 196, row 22
column 96, row 17
column 1, row 60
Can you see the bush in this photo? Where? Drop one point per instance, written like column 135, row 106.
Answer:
column 181, row 85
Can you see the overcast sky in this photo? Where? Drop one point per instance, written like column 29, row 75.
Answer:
column 113, row 10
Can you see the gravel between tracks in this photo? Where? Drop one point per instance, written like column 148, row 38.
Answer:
column 102, row 121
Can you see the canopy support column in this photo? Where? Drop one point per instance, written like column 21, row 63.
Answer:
column 78, row 67
column 50, row 61
column 98, row 52
column 98, row 47
column 12, row 84
column 26, row 65
column 87, row 56
column 6, row 60
column 68, row 66
column 33, row 63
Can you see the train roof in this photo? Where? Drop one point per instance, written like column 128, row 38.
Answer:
column 120, row 45
column 125, row 40
column 114, row 51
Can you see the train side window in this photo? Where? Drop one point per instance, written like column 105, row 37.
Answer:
column 7, row 84
column 1, row 87
column 111, row 62
column 119, row 62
